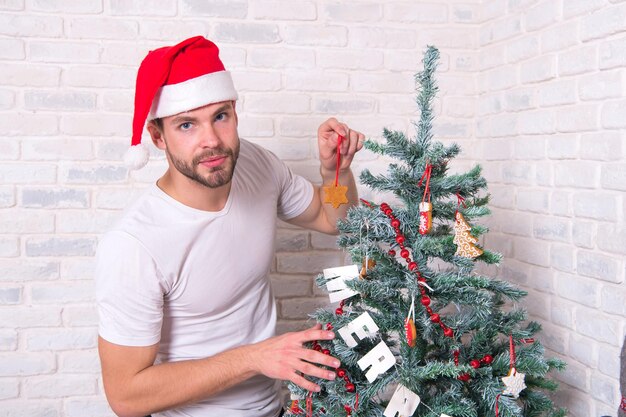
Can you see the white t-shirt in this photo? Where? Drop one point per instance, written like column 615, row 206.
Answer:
column 197, row 281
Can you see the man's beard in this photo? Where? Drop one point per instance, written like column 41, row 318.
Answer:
column 217, row 176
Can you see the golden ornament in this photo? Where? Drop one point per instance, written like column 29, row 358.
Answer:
column 335, row 195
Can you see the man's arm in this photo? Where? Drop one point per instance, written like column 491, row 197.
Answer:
column 136, row 387
column 323, row 217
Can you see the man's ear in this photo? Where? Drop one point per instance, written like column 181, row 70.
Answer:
column 156, row 135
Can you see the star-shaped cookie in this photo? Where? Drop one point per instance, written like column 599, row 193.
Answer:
column 335, row 195
column 514, row 383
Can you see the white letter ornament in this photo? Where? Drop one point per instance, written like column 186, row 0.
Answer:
column 337, row 287
column 404, row 403
column 362, row 326
column 379, row 358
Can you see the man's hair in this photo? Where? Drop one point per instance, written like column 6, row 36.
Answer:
column 158, row 123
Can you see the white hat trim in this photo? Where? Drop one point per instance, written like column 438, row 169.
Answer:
column 191, row 94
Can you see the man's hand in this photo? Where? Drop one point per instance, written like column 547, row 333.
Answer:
column 284, row 357
column 327, row 137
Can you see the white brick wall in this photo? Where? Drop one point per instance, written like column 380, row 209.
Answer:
column 533, row 90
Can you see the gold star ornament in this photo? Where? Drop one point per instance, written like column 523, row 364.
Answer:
column 335, row 195
column 514, row 383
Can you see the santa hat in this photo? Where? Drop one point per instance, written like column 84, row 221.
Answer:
column 175, row 79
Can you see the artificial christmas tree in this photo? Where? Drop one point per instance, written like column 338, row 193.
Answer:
column 414, row 319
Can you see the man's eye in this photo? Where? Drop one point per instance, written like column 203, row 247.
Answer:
column 185, row 126
column 221, row 116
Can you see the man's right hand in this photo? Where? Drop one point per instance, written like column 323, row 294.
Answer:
column 284, row 357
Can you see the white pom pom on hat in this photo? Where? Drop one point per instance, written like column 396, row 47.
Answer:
column 175, row 79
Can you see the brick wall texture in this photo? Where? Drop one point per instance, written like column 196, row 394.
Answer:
column 533, row 90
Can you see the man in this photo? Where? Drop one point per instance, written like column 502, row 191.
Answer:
column 186, row 311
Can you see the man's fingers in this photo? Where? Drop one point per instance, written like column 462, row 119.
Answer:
column 313, row 356
column 315, row 371
column 316, row 334
column 304, row 383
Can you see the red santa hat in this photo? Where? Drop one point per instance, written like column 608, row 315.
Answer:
column 175, row 79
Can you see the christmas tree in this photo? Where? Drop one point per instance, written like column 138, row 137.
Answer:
column 419, row 332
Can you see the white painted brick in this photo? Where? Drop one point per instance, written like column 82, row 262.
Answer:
column 127, row 54
column 21, row 408
column 353, row 12
column 22, row 364
column 542, row 15
column 448, row 38
column 281, row 58
column 381, row 83
column 519, row 99
column 289, row 103
column 614, row 177
column 592, row 323
column 78, row 362
column 446, row 129
column 21, row 124
column 562, row 312
column 99, row 76
column 63, row 52
column 315, row 35
column 102, row 28
column 9, row 389
column 15, row 221
column 260, row 81
column 492, row 56
column 283, row 10
column 93, row 175
column 10, row 295
column 233, row 57
column 596, row 205
column 83, row 221
column 537, row 305
column 502, row 196
column 60, row 246
column 579, row 60
column 12, row 5
column 532, row 251
column 577, row 174
column 325, row 81
column 308, row 262
column 492, row 9
column 464, row 13
column 344, row 104
column 259, row 127
column 489, row 104
column 529, row 147
column 604, row 388
column 536, row 122
column 604, row 22
column 578, row 118
column 54, row 198
column 91, row 407
column 553, row 39
column 58, row 387
column 80, row 316
column 60, row 339
column 296, row 308
column 323, row 241
column 373, row 37
column 9, row 149
column 286, row 326
column 532, row 200
column 54, row 149
column 24, row 25
column 246, row 32
column 581, row 290
column 538, row 69
column 613, row 114
column 12, row 49
column 500, row 30
column 7, row 99
column 457, row 85
column 584, row 350
column 143, row 8
column 122, row 101
column 584, row 233
column 214, row 8
column 27, row 74
column 602, row 267
column 577, row 7
column 96, row 124
column 496, row 149
column 115, row 198
column 59, row 100
column 601, row 146
column 284, row 286
column 113, row 149
column 418, row 13
column 350, row 59
column 557, row 92
column 77, row 268
column 517, row 173
column 555, row 339
column 601, row 85
column 613, row 299
column 25, row 270
column 9, row 246
column 394, row 104
column 28, row 317
column 612, row 53
column 286, row 149
column 560, row 204
column 544, row 174
column 168, row 30
column 563, row 146
column 463, row 60
column 61, row 293
column 609, row 364
column 501, row 78
column 66, row 6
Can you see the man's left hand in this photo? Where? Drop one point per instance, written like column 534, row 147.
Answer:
column 327, row 137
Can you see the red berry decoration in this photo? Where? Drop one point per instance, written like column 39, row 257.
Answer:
column 392, row 252
column 464, row 377
column 395, row 223
column 475, row 364
column 448, row 332
column 329, row 326
column 317, row 348
column 339, row 311
column 350, row 387
column 400, row 239
column 488, row 359
column 405, row 253
column 348, row 409
column 412, row 266
column 341, row 372
column 388, row 211
column 435, row 318
column 326, row 352
column 425, row 300
column 346, row 378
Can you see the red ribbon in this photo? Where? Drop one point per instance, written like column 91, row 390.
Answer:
column 512, row 351
column 427, row 173
column 356, row 402
column 459, row 200
column 367, row 203
column 309, row 405
column 339, row 140
column 497, row 398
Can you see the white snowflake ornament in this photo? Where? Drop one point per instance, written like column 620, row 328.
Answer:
column 514, row 383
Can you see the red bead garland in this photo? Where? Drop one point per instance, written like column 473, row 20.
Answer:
column 339, row 310
column 412, row 266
